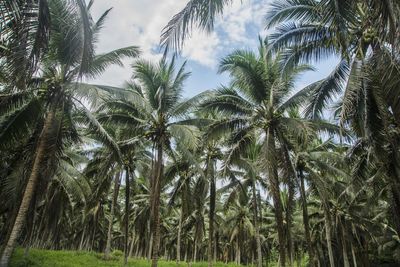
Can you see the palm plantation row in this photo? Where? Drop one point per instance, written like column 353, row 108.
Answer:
column 250, row 172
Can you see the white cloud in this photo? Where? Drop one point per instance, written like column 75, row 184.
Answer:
column 137, row 22
column 140, row 22
column 203, row 48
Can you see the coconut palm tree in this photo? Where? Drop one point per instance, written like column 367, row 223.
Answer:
column 54, row 102
column 317, row 160
column 154, row 104
column 248, row 163
column 183, row 170
column 257, row 101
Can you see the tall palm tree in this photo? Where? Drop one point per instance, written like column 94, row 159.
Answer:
column 248, row 163
column 154, row 104
column 257, row 101
column 132, row 149
column 184, row 171
column 212, row 154
column 364, row 36
column 53, row 101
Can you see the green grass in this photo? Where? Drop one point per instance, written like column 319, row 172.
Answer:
column 52, row 258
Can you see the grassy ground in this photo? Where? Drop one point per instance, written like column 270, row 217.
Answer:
column 51, row 258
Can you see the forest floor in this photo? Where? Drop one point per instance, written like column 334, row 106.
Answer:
column 52, row 258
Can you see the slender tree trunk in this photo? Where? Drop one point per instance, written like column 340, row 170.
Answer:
column 238, row 256
column 256, row 226
column 178, row 244
column 290, row 206
column 275, row 190
column 132, row 244
column 127, row 191
column 195, row 250
column 29, row 189
column 306, row 219
column 186, row 251
column 210, row 172
column 216, row 238
column 328, row 233
column 353, row 254
column 137, row 248
column 31, row 226
column 111, row 221
column 156, row 205
column 289, row 212
column 82, row 238
column 150, row 247
column 346, row 262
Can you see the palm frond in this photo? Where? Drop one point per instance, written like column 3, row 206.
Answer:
column 325, row 90
column 198, row 13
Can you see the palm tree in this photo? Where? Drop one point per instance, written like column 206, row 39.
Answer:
column 238, row 218
column 183, row 170
column 154, row 104
column 53, row 101
column 248, row 163
column 212, row 153
column 257, row 101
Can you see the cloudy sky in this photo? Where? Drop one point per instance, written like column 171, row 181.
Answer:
column 140, row 22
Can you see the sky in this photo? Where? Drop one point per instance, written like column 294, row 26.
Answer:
column 140, row 23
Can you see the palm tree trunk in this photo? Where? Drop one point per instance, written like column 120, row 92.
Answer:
column 257, row 228
column 276, row 197
column 195, row 250
column 111, row 222
column 150, row 247
column 215, row 245
column 353, row 254
column 82, row 238
column 29, row 189
column 238, row 256
column 132, row 244
column 178, row 244
column 346, row 262
column 289, row 211
column 210, row 171
column 155, row 211
column 137, row 248
column 328, row 232
column 186, row 251
column 127, row 191
column 30, row 227
column 306, row 219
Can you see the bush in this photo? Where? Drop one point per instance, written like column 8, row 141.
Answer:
column 117, row 253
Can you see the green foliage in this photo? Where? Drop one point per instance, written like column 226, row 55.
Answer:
column 117, row 253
